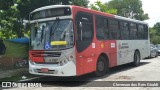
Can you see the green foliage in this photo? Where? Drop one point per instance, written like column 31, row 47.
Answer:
column 155, row 34
column 20, row 49
column 99, row 6
column 157, row 27
column 13, row 12
column 5, row 4
column 82, row 3
column 129, row 8
column 26, row 6
column 8, row 19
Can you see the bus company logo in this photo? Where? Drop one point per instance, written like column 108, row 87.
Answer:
column 123, row 46
column 6, row 84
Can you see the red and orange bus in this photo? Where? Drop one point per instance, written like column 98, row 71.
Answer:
column 68, row 40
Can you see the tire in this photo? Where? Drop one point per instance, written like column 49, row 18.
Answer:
column 136, row 58
column 102, row 67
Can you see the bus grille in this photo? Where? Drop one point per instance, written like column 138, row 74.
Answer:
column 46, row 54
column 46, row 62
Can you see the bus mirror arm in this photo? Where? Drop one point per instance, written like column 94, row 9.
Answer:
column 25, row 24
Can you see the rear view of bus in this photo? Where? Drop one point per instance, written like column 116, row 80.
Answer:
column 52, row 49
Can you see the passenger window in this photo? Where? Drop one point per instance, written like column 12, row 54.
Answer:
column 124, row 30
column 101, row 28
column 114, row 29
column 145, row 32
column 141, row 32
column 133, row 31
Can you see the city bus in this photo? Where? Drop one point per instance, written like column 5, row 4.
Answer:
column 68, row 40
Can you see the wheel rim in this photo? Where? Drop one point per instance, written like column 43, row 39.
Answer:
column 100, row 66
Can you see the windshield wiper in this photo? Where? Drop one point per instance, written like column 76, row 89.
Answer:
column 43, row 27
column 55, row 25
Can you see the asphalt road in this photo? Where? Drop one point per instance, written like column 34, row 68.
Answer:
column 149, row 70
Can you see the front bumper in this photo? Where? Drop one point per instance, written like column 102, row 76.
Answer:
column 69, row 69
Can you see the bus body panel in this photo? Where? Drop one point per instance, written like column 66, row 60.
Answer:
column 33, row 56
column 68, row 69
column 111, row 50
column 44, row 60
column 127, row 48
column 87, row 59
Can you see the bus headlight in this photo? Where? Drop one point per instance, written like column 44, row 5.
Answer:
column 61, row 63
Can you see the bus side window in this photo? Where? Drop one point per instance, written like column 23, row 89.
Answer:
column 145, row 32
column 133, row 31
column 114, row 29
column 124, row 30
column 141, row 33
column 101, row 28
column 106, row 30
column 87, row 33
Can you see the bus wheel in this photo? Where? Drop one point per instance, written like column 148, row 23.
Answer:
column 101, row 66
column 136, row 58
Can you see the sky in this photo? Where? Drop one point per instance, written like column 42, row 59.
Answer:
column 149, row 6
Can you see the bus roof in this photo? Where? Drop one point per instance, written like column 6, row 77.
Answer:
column 129, row 19
column 91, row 11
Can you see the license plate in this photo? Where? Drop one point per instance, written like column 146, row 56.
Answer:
column 44, row 70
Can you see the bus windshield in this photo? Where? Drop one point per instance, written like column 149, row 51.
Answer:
column 52, row 35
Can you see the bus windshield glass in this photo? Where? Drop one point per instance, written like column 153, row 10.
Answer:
column 52, row 35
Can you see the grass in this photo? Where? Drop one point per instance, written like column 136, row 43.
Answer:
column 16, row 49
column 13, row 78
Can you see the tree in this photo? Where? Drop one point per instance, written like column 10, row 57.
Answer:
column 129, row 8
column 26, row 6
column 157, row 27
column 5, row 4
column 13, row 12
column 83, row 3
column 99, row 6
column 155, row 33
column 8, row 19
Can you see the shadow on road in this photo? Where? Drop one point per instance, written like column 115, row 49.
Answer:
column 81, row 80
